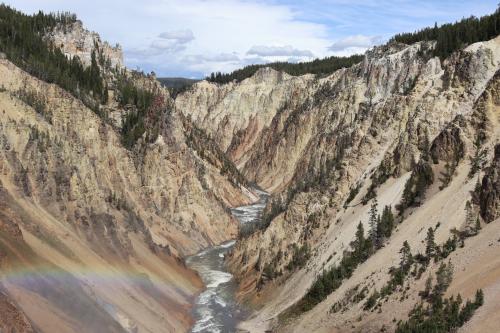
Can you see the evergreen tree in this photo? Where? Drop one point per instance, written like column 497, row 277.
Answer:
column 426, row 146
column 479, row 298
column 374, row 222
column 408, row 196
column 430, row 245
column 406, row 257
column 22, row 40
column 453, row 36
column 478, row 225
column 386, row 223
column 479, row 158
column 421, row 178
column 444, row 276
column 428, row 288
column 470, row 219
column 318, row 66
column 448, row 37
column 359, row 242
column 447, row 175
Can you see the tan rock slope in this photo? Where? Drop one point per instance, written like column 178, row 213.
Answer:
column 362, row 130
column 236, row 115
column 92, row 234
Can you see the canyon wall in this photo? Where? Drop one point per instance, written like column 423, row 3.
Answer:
column 92, row 234
column 326, row 146
column 75, row 40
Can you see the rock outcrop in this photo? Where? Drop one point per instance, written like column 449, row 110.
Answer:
column 355, row 134
column 75, row 40
column 93, row 234
column 235, row 115
column 489, row 192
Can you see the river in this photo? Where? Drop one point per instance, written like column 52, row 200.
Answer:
column 216, row 309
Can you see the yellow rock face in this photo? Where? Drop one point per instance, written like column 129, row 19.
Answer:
column 92, row 234
column 311, row 141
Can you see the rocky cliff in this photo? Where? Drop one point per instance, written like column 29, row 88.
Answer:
column 327, row 146
column 75, row 40
column 235, row 115
column 103, row 193
column 93, row 234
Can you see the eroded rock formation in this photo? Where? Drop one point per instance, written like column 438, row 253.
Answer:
column 358, row 133
column 93, row 234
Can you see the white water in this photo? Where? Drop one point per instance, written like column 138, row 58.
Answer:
column 216, row 310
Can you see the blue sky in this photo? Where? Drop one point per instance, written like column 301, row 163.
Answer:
column 192, row 38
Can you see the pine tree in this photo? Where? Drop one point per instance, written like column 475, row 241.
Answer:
column 374, row 222
column 406, row 257
column 359, row 241
column 470, row 218
column 447, row 175
column 426, row 147
column 444, row 276
column 478, row 225
column 477, row 161
column 479, row 298
column 430, row 247
column 408, row 195
column 428, row 287
column 386, row 223
column 319, row 66
column 22, row 40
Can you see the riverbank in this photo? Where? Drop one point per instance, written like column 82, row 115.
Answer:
column 216, row 309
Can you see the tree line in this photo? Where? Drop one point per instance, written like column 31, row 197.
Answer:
column 22, row 40
column 454, row 36
column 449, row 38
column 324, row 66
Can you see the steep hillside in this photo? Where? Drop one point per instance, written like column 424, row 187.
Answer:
column 402, row 126
column 384, row 181
column 236, row 114
column 93, row 227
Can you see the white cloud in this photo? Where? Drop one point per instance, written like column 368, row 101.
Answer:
column 167, row 45
column 181, row 36
column 207, row 63
column 278, row 51
column 159, row 34
column 170, row 42
column 204, row 58
column 254, row 61
column 355, row 42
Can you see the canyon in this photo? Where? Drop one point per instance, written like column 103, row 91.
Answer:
column 92, row 231
column 95, row 232
column 311, row 142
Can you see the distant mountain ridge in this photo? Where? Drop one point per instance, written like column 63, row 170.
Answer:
column 176, row 82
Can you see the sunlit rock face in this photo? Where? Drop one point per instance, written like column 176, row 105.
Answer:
column 92, row 234
column 75, row 40
column 311, row 141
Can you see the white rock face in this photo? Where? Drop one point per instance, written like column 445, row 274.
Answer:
column 235, row 114
column 272, row 123
column 315, row 139
column 99, row 226
column 75, row 40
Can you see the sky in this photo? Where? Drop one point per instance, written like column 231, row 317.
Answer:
column 192, row 38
